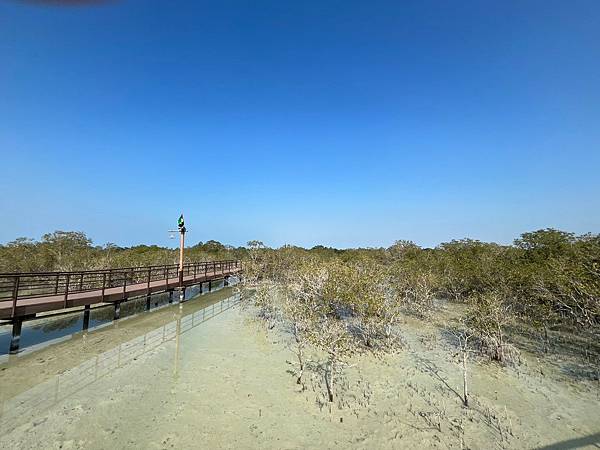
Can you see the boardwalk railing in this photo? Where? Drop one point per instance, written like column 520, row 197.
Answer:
column 17, row 286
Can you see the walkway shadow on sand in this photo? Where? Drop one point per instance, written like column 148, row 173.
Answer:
column 592, row 440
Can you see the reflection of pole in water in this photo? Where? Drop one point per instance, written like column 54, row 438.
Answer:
column 177, row 333
column 86, row 318
column 56, row 386
column 76, row 378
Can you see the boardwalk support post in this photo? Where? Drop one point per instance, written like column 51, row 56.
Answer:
column 86, row 317
column 209, row 285
column 117, row 310
column 16, row 336
column 15, row 295
column 66, row 290
column 171, row 296
column 225, row 281
column 147, row 303
column 182, row 295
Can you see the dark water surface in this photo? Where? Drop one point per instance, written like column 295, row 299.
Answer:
column 41, row 332
column 71, row 362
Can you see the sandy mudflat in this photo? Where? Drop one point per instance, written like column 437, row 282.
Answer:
column 223, row 382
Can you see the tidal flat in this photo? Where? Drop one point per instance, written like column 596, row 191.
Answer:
column 209, row 375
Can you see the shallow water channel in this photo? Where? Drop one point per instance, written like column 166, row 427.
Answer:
column 42, row 332
column 59, row 361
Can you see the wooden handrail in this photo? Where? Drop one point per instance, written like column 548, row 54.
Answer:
column 14, row 286
column 72, row 272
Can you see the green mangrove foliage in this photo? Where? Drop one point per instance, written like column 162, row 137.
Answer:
column 348, row 301
column 548, row 279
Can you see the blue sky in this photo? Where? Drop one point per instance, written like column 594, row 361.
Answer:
column 317, row 122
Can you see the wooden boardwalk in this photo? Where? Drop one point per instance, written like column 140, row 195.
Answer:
column 27, row 294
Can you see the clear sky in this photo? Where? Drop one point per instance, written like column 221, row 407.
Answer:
column 344, row 123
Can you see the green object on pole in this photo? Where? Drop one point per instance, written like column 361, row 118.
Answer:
column 180, row 222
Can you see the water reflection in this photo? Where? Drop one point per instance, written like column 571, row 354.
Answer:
column 27, row 398
column 41, row 332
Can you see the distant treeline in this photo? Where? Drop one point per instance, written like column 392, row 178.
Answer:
column 73, row 250
column 549, row 269
column 547, row 276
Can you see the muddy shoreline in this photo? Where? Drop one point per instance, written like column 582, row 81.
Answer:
column 227, row 384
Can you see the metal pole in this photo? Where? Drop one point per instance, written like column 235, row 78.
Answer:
column 66, row 291
column 181, row 246
column 148, row 283
column 15, row 295
column 103, row 285
column 86, row 317
column 16, row 336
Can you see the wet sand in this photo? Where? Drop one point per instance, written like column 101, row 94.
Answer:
column 160, row 381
